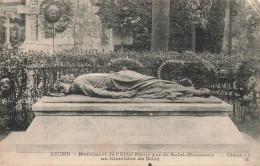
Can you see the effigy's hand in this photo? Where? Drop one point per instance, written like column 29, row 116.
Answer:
column 57, row 94
column 204, row 92
column 129, row 94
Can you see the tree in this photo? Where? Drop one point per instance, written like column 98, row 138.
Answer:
column 227, row 39
column 245, row 26
column 179, row 29
column 207, row 15
column 185, row 18
column 210, row 39
column 160, row 25
column 128, row 15
column 199, row 11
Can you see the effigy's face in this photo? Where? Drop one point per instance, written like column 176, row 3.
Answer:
column 64, row 88
column 5, row 84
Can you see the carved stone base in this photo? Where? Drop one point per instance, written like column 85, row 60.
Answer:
column 135, row 127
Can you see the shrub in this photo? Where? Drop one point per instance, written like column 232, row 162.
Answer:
column 127, row 63
column 248, row 87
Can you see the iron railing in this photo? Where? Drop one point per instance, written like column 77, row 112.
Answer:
column 15, row 112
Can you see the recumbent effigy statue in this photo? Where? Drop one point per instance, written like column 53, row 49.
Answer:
column 124, row 84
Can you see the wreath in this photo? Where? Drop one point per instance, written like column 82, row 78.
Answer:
column 195, row 73
column 190, row 56
column 57, row 14
column 169, row 69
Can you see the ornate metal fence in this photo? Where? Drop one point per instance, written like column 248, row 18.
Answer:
column 15, row 112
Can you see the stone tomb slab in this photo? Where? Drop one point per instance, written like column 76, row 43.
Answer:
column 119, row 126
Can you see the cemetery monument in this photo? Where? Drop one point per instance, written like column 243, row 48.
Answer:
column 121, row 112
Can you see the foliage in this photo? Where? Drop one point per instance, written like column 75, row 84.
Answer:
column 208, row 15
column 125, row 63
column 142, row 30
column 119, row 14
column 128, row 16
column 198, row 11
column 246, row 35
column 183, row 13
column 247, row 82
column 13, row 116
column 2, row 32
column 136, row 16
column 210, row 39
column 179, row 26
column 198, row 70
column 247, row 85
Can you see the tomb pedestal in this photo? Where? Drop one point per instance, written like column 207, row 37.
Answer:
column 83, row 124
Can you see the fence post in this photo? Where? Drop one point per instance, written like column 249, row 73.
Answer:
column 54, row 77
column 233, row 98
column 44, row 82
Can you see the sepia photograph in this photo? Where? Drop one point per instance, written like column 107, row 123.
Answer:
column 129, row 82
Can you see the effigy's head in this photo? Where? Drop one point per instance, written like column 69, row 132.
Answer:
column 63, row 84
